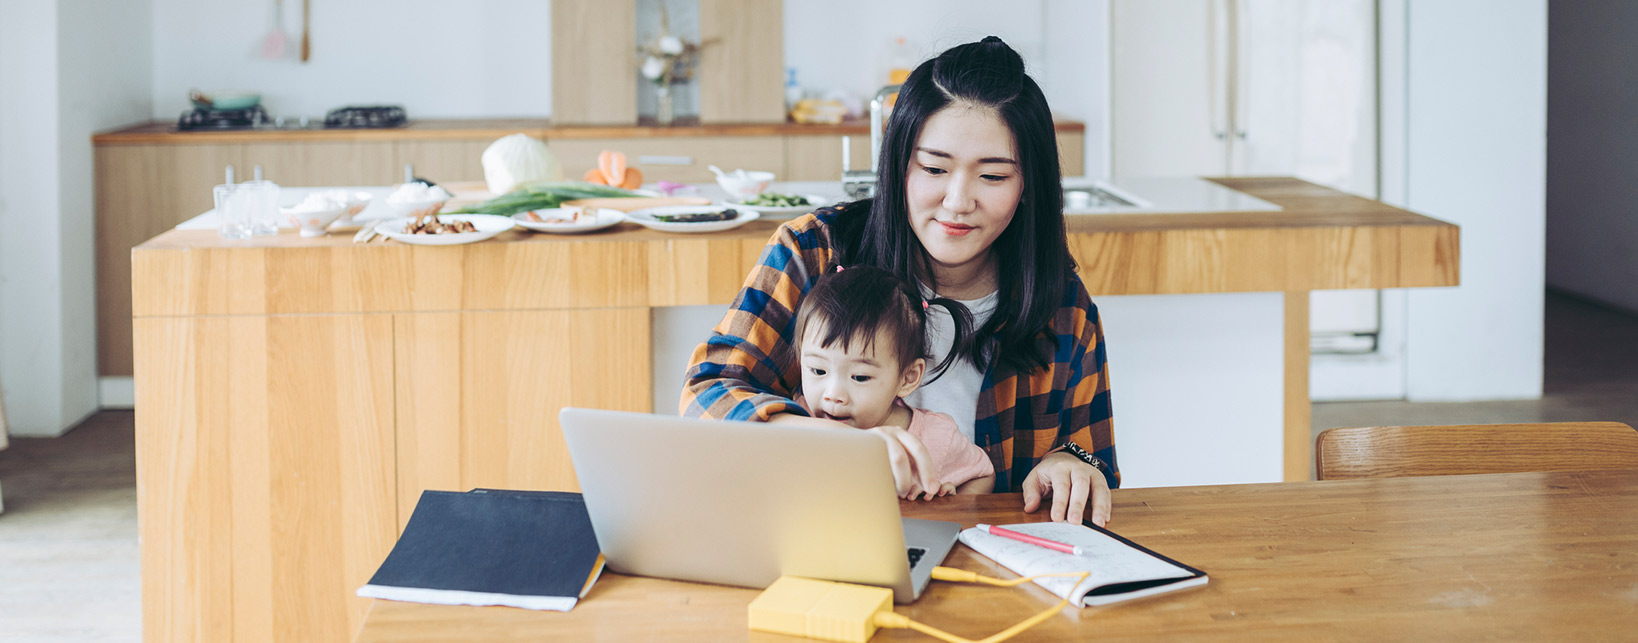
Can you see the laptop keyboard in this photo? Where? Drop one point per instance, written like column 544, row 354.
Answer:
column 915, row 555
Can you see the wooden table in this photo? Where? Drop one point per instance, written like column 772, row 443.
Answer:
column 1518, row 557
column 295, row 396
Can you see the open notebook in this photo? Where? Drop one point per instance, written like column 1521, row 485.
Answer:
column 1120, row 569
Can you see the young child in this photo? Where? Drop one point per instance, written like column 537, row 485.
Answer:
column 862, row 347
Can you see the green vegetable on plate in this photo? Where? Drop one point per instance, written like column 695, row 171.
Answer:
column 776, row 200
column 541, row 195
column 698, row 217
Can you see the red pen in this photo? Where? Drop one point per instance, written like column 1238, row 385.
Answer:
column 1033, row 540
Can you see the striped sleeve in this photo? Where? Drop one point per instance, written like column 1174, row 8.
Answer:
column 746, row 369
column 1088, row 417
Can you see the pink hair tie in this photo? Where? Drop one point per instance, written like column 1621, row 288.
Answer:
column 838, row 269
column 924, row 305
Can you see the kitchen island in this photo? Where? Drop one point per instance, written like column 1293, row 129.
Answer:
column 295, row 396
column 150, row 177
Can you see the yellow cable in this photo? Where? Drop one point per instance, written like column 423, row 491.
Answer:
column 895, row 620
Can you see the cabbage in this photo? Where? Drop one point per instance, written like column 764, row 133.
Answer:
column 518, row 159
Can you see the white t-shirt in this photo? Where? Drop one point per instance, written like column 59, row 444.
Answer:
column 956, row 392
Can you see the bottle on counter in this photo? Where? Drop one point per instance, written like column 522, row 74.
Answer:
column 901, row 58
column 793, row 91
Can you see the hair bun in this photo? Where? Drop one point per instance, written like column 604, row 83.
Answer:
column 988, row 70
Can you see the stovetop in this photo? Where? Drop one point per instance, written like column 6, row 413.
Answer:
column 366, row 116
column 350, row 117
column 223, row 119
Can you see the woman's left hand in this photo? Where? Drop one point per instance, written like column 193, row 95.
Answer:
column 1073, row 484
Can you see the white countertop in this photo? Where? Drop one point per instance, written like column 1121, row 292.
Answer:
column 1157, row 195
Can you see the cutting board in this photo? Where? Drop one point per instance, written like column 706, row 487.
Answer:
column 627, row 204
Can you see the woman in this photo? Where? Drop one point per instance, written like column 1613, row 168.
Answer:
column 969, row 205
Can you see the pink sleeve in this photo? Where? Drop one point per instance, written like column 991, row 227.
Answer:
column 958, row 459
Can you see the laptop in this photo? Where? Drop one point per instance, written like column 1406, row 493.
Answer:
column 743, row 503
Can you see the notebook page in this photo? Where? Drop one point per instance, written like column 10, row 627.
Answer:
column 1109, row 560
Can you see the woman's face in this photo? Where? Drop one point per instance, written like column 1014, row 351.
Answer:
column 963, row 185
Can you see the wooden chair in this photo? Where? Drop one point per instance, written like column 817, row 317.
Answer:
column 1400, row 451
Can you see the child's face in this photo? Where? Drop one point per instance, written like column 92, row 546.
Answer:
column 856, row 386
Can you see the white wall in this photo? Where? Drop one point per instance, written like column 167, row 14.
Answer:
column 1475, row 155
column 1592, row 150
column 70, row 67
column 844, row 44
column 105, row 81
column 484, row 58
column 31, row 336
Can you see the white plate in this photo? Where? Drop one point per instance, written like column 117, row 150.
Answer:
column 605, row 218
column 488, row 226
column 814, row 200
column 646, row 217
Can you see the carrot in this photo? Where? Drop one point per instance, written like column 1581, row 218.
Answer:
column 617, row 169
column 595, row 175
column 605, row 164
column 633, row 179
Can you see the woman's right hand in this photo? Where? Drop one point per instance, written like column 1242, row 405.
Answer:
column 914, row 472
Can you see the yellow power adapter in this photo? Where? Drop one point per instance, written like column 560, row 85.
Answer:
column 820, row 609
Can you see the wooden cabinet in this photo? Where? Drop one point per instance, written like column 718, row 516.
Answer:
column 271, row 441
column 142, row 191
column 288, row 451
column 819, row 158
column 303, row 164
column 441, row 161
column 474, row 405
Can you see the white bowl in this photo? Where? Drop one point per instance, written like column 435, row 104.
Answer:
column 412, row 208
column 753, row 183
column 356, row 202
column 437, row 197
column 313, row 222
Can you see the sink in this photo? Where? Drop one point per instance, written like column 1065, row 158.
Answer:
column 1099, row 196
column 1155, row 195
column 1084, row 196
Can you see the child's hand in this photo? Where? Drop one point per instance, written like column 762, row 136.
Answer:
column 943, row 489
column 914, row 472
column 982, row 484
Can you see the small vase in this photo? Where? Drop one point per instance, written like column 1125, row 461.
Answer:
column 663, row 111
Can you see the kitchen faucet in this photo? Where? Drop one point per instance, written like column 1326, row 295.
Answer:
column 859, row 184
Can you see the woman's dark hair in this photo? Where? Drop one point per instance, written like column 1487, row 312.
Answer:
column 1032, row 253
column 852, row 304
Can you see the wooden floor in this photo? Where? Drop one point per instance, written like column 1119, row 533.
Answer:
column 1591, row 374
column 68, row 550
column 68, row 536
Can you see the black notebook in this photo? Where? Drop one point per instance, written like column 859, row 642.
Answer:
column 529, row 549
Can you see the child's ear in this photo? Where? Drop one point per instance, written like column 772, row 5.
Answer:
column 910, row 379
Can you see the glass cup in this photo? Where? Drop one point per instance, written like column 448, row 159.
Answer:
column 232, row 212
column 262, row 201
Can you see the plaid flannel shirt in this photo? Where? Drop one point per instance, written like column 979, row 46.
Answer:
column 747, row 369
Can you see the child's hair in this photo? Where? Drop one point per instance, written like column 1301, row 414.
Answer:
column 856, row 302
